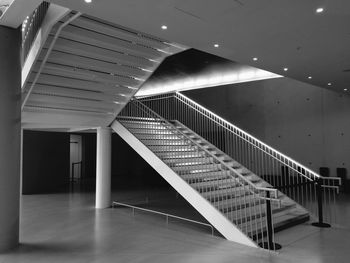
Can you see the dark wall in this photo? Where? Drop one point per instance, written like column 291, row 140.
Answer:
column 308, row 123
column 89, row 155
column 128, row 168
column 45, row 162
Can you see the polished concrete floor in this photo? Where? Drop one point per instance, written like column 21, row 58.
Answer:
column 66, row 228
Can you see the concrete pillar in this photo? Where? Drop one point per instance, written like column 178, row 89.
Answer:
column 103, row 167
column 10, row 136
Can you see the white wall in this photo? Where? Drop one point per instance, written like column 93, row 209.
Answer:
column 309, row 123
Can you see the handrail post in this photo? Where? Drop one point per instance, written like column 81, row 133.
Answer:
column 270, row 245
column 319, row 194
column 72, row 177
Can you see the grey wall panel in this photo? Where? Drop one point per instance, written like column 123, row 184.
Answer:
column 308, row 123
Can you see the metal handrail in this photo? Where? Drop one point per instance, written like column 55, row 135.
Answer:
column 31, row 27
column 73, row 165
column 165, row 214
column 187, row 101
column 254, row 221
column 282, row 172
column 272, row 190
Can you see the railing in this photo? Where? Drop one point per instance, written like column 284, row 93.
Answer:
column 244, row 203
column 72, row 180
column 289, row 176
column 30, row 28
column 167, row 216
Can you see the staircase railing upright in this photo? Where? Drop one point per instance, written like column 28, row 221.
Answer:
column 311, row 190
column 245, row 191
column 30, row 28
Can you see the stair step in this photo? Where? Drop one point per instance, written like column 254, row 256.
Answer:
column 165, row 143
column 145, row 125
column 196, row 168
column 153, row 121
column 199, row 177
column 159, row 137
column 253, row 212
column 226, row 205
column 231, row 204
column 176, row 155
column 186, row 160
column 234, row 191
column 280, row 221
column 221, row 183
column 170, row 148
column 136, row 131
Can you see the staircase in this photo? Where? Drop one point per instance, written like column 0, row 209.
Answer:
column 231, row 197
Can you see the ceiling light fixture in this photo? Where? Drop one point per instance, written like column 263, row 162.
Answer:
column 329, row 84
column 216, row 45
column 319, row 10
column 309, row 77
column 255, row 59
column 88, row 1
column 164, row 27
column 285, row 69
column 345, row 89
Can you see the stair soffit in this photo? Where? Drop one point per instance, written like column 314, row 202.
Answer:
column 94, row 68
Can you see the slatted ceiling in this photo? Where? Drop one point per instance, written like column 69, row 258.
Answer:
column 67, row 112
column 66, row 71
column 55, row 91
column 62, row 118
column 97, row 39
column 73, row 60
column 98, row 80
column 69, row 82
column 85, row 74
column 74, row 93
column 118, row 32
column 93, row 70
column 88, row 88
column 82, row 49
column 66, row 104
column 74, row 101
column 95, row 74
column 120, row 91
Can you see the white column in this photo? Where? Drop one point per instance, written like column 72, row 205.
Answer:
column 103, row 167
column 10, row 136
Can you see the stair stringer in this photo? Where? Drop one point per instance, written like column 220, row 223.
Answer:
column 204, row 207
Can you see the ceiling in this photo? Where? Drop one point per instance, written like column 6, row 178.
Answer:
column 280, row 33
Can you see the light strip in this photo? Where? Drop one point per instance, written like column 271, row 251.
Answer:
column 208, row 80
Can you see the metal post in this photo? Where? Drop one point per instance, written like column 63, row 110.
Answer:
column 319, row 194
column 270, row 240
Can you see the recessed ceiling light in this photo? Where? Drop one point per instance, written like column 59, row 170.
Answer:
column 255, row 59
column 345, row 89
column 164, row 27
column 309, row 77
column 216, row 45
column 88, row 1
column 319, row 10
column 285, row 69
column 329, row 84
